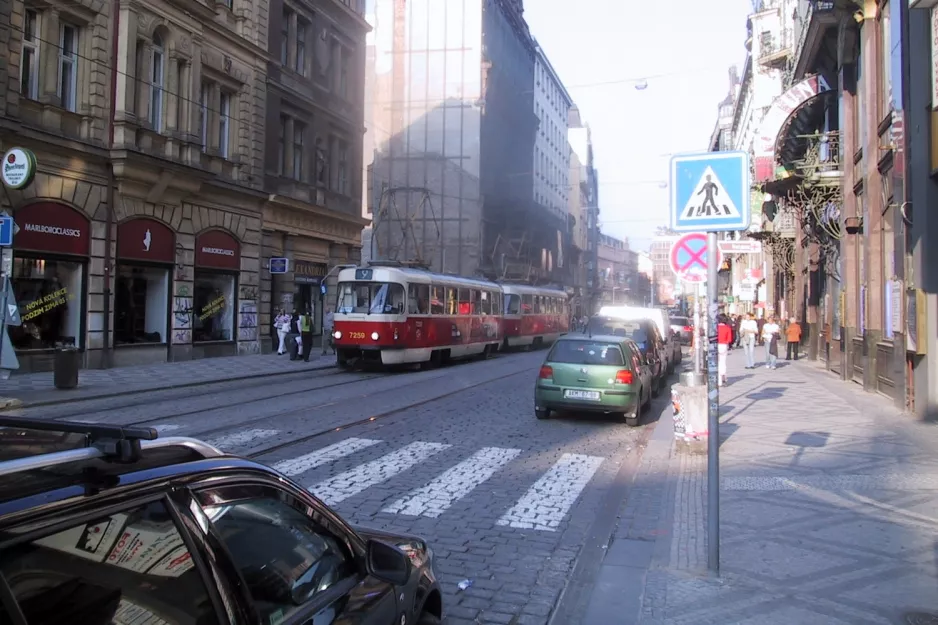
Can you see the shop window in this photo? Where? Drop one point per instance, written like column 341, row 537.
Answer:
column 436, row 300
column 130, row 566
column 213, row 306
column 141, row 301
column 48, row 292
column 68, row 66
column 29, row 63
column 418, row 298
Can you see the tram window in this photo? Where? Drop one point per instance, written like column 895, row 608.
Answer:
column 485, row 303
column 463, row 303
column 418, row 299
column 553, row 305
column 527, row 304
column 451, row 301
column 512, row 305
column 475, row 297
column 495, row 304
column 437, row 301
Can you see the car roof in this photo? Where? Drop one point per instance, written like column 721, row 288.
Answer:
column 594, row 338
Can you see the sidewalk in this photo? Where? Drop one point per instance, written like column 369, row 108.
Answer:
column 37, row 389
column 829, row 513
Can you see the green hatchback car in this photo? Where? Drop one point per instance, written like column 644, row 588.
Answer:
column 596, row 374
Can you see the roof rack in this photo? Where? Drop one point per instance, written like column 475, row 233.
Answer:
column 111, row 442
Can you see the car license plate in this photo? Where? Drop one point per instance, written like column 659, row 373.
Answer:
column 589, row 395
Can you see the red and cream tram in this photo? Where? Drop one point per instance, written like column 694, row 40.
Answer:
column 391, row 314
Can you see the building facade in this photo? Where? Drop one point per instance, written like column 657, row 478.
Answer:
column 667, row 289
column 552, row 106
column 312, row 176
column 142, row 237
column 619, row 277
column 451, row 175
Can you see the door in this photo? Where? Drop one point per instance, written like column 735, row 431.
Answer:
column 297, row 565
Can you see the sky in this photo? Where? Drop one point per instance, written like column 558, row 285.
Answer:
column 682, row 50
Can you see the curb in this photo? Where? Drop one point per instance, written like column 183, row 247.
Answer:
column 18, row 403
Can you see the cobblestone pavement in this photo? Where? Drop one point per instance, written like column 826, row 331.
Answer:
column 829, row 509
column 36, row 388
column 455, row 455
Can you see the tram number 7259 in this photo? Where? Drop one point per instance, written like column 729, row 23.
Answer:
column 356, row 335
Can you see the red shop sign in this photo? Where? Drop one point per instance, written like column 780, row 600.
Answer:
column 218, row 250
column 52, row 227
column 145, row 239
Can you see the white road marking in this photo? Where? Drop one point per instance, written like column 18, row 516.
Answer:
column 240, row 439
column 436, row 497
column 307, row 462
column 354, row 481
column 549, row 499
column 163, row 428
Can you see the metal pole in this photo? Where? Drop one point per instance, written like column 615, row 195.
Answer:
column 713, row 412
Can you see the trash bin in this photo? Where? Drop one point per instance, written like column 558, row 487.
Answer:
column 65, row 367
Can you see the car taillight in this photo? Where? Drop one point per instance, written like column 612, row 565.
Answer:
column 624, row 377
column 546, row 373
column 688, row 328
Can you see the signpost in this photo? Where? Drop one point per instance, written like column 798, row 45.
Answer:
column 709, row 192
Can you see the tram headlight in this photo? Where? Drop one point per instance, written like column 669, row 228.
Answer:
column 337, row 335
column 374, row 336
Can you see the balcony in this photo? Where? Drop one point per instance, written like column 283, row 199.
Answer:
column 775, row 52
column 822, row 163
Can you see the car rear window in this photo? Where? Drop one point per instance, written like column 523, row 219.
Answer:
column 680, row 321
column 586, row 353
column 618, row 327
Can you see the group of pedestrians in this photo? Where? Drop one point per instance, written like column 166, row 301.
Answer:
column 746, row 331
column 301, row 325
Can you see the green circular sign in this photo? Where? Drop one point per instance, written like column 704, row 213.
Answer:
column 18, row 168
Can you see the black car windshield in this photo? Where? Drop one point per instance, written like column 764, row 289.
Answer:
column 586, row 353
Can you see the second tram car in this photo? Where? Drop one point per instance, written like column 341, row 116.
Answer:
column 392, row 315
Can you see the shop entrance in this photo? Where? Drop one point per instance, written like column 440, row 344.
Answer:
column 307, row 277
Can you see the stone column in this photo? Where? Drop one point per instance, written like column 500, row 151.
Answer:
column 170, row 117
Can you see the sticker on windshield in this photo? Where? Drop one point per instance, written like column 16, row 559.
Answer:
column 276, row 617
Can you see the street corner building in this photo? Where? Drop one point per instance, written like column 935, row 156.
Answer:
column 141, row 238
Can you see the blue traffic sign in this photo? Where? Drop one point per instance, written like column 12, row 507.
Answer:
column 710, row 192
column 6, row 231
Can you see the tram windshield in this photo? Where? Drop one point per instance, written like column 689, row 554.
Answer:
column 372, row 298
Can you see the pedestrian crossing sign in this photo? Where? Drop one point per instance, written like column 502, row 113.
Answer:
column 710, row 192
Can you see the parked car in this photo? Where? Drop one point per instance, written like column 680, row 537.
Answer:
column 646, row 336
column 115, row 525
column 674, row 354
column 683, row 328
column 596, row 374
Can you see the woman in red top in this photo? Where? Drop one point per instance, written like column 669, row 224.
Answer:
column 724, row 338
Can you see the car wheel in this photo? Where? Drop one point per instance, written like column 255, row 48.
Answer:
column 634, row 418
column 542, row 413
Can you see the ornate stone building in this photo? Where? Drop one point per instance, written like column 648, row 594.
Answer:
column 140, row 237
column 315, row 122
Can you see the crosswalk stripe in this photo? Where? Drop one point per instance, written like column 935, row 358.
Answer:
column 307, row 462
column 239, row 439
column 457, row 482
column 549, row 499
column 354, row 481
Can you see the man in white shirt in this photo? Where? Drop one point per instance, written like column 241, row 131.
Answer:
column 770, row 334
column 748, row 330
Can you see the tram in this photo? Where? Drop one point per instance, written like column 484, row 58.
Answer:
column 391, row 314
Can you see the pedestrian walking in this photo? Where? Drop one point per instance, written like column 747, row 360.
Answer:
column 328, row 322
column 737, row 322
column 770, row 335
column 724, row 340
column 282, row 326
column 748, row 329
column 793, row 335
column 306, row 333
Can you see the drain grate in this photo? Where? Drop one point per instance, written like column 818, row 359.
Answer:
column 921, row 618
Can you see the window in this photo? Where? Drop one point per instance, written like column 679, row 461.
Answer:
column 205, row 96
column 418, row 299
column 285, row 37
column 343, row 73
column 586, row 353
column 282, row 146
column 885, row 60
column 213, row 306
column 29, row 64
column 463, row 302
column 49, row 294
column 298, row 131
column 512, row 305
column 229, row 4
column 224, row 123
column 527, row 304
column 286, row 553
column 342, row 170
column 373, row 298
column 156, row 84
column 68, row 66
column 141, row 302
column 128, row 567
column 301, row 47
column 450, row 304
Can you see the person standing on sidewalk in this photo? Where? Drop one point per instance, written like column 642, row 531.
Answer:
column 282, row 326
column 306, row 333
column 770, row 335
column 724, row 340
column 328, row 323
column 793, row 334
column 748, row 330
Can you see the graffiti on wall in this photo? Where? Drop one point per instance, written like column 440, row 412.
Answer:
column 182, row 337
column 182, row 312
